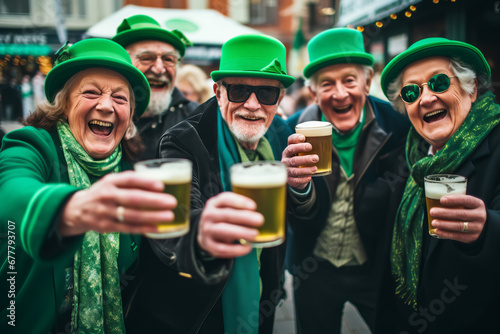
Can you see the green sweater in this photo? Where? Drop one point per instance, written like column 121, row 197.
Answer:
column 33, row 190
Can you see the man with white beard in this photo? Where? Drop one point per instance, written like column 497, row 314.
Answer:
column 156, row 52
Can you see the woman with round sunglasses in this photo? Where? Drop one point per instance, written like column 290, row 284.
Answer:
column 446, row 284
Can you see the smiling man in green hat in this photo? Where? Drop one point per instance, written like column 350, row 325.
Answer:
column 157, row 53
column 208, row 281
column 337, row 231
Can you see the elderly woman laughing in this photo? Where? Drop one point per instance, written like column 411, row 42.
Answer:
column 66, row 206
column 446, row 284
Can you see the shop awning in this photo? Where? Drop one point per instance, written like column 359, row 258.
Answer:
column 25, row 49
column 360, row 12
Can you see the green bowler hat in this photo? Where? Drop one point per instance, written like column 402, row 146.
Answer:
column 142, row 28
column 255, row 56
column 336, row 46
column 91, row 53
column 434, row 46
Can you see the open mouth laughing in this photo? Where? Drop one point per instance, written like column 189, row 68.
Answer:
column 343, row 110
column 435, row 116
column 154, row 83
column 101, row 128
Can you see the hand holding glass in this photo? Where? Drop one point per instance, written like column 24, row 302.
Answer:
column 265, row 183
column 319, row 135
column 437, row 186
column 176, row 175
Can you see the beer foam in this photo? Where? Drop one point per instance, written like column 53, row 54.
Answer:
column 314, row 129
column 259, row 176
column 172, row 173
column 438, row 190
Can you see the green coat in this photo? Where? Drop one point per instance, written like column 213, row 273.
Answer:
column 34, row 187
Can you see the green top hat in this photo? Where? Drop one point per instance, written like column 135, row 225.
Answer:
column 96, row 52
column 336, row 46
column 142, row 27
column 250, row 55
column 434, row 46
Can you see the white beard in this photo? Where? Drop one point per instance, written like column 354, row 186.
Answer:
column 247, row 137
column 159, row 102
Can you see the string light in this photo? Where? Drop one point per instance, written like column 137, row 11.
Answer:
column 413, row 8
column 435, row 1
column 394, row 16
column 408, row 14
column 379, row 24
column 360, row 28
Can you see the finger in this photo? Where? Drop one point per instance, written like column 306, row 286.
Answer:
column 149, row 217
column 301, row 171
column 131, row 179
column 296, row 138
column 295, row 149
column 231, row 200
column 145, row 199
column 232, row 216
column 466, row 201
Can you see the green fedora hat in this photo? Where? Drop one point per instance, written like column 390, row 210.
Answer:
column 96, row 52
column 336, row 46
column 255, row 56
column 434, row 46
column 142, row 27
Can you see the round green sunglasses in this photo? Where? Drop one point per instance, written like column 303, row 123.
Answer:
column 438, row 84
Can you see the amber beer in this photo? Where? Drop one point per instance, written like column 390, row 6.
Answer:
column 437, row 186
column 319, row 135
column 265, row 183
column 176, row 176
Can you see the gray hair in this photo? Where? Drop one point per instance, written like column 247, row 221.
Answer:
column 464, row 73
column 313, row 80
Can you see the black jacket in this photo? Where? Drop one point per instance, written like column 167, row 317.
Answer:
column 152, row 128
column 163, row 301
column 458, row 291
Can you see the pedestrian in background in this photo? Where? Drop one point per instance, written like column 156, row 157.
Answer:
column 193, row 84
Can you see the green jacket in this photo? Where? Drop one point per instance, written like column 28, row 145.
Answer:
column 34, row 187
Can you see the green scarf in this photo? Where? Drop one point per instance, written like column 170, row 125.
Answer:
column 346, row 143
column 241, row 295
column 407, row 235
column 97, row 303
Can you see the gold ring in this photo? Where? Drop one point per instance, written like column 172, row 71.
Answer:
column 243, row 242
column 466, row 227
column 119, row 214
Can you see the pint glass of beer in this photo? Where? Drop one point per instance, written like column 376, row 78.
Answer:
column 439, row 185
column 319, row 135
column 265, row 183
column 176, row 176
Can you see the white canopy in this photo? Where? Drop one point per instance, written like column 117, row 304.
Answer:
column 201, row 26
column 207, row 29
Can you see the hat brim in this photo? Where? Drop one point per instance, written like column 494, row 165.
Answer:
column 453, row 49
column 128, row 37
column 286, row 80
column 61, row 73
column 339, row 58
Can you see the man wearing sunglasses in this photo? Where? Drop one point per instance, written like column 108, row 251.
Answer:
column 211, row 280
column 157, row 53
column 338, row 238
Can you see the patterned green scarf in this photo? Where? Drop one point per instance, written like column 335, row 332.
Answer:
column 407, row 235
column 97, row 303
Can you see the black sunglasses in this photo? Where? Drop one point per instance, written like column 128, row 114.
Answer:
column 267, row 95
column 438, row 84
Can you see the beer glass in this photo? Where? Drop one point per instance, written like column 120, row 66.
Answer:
column 265, row 183
column 319, row 135
column 176, row 176
column 437, row 186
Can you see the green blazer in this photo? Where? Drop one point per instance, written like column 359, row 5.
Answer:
column 34, row 187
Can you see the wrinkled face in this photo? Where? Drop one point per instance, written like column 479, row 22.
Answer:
column 248, row 120
column 436, row 116
column 98, row 110
column 159, row 71
column 341, row 92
